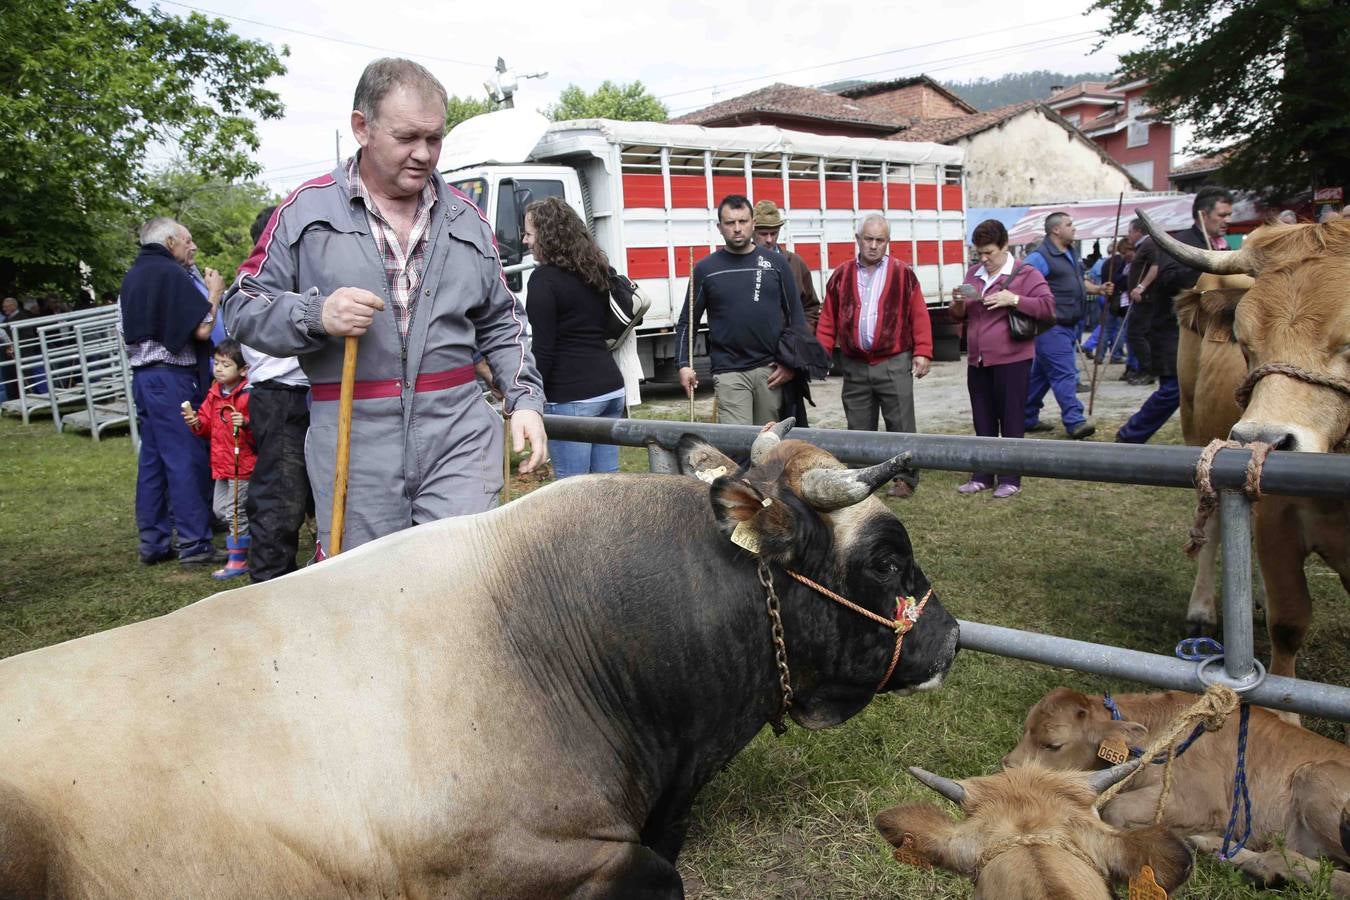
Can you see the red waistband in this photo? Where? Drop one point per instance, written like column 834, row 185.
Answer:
column 393, row 387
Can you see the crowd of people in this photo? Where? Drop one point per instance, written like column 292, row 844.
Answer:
column 381, row 258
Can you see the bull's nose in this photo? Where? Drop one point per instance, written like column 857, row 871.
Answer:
column 1278, row 436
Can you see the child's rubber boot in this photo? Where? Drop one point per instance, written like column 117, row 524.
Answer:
column 237, row 564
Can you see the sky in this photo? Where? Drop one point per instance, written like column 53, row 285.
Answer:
column 689, row 54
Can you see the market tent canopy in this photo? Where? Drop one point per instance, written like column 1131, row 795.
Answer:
column 1096, row 219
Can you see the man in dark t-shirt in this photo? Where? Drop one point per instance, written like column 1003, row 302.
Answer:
column 749, row 295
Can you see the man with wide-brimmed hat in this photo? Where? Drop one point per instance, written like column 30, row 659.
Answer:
column 769, row 221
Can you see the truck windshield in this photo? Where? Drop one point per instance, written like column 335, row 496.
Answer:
column 476, row 188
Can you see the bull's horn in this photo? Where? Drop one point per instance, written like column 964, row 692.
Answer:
column 769, row 439
column 1217, row 262
column 1105, row 778
column 944, row 786
column 831, row 489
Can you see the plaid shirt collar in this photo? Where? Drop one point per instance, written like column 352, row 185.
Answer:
column 403, row 269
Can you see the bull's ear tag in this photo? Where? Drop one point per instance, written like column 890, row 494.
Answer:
column 1114, row 750
column 1145, row 887
column 746, row 537
column 906, row 854
column 711, row 475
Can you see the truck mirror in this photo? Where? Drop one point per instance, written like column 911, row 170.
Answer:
column 510, row 222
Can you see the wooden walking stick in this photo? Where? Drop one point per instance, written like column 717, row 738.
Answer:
column 344, row 444
column 1106, row 308
column 691, row 328
column 506, row 455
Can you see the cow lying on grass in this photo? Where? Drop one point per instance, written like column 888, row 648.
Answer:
column 1299, row 781
column 520, row 704
column 1032, row 834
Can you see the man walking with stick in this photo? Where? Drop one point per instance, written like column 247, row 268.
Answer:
column 382, row 250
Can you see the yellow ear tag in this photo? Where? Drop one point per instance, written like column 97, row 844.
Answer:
column 711, row 475
column 745, row 537
column 1144, row 887
column 1113, row 750
column 906, row 854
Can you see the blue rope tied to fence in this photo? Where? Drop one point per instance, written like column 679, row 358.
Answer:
column 1242, row 800
column 1136, row 752
column 1199, row 649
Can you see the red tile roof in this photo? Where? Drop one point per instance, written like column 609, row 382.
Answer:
column 791, row 100
column 1083, row 89
column 943, row 131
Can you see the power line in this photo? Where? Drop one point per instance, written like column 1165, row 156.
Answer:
column 934, row 65
column 324, row 37
column 841, row 62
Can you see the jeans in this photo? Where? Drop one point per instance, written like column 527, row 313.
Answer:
column 573, row 458
column 1155, row 412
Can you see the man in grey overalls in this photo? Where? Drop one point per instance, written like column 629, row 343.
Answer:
column 383, row 249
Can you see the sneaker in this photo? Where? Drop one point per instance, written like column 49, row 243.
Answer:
column 1081, row 388
column 1004, row 491
column 1038, row 427
column 155, row 559
column 204, row 558
column 901, row 490
column 1082, row 430
column 972, row 487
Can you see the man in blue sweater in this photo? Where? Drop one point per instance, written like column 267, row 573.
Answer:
column 750, row 295
column 1054, row 368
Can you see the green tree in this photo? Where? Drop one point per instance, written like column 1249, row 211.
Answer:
column 216, row 211
column 461, row 108
column 1264, row 77
column 90, row 92
column 627, row 102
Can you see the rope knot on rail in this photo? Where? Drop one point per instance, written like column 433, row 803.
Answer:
column 1207, row 498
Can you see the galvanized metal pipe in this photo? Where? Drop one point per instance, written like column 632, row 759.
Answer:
column 1294, row 474
column 1297, row 474
column 1294, row 694
column 1235, row 523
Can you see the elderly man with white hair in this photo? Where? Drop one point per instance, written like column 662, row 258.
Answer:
column 875, row 312
column 166, row 323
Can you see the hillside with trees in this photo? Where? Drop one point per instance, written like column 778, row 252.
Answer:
column 988, row 93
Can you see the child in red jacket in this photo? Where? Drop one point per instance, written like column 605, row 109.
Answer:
column 223, row 420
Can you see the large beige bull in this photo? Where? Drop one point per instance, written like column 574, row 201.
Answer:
column 521, row 704
column 1293, row 328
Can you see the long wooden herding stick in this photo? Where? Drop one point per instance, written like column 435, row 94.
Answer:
column 344, row 445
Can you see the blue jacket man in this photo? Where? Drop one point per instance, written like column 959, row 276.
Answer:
column 1054, row 367
column 166, row 323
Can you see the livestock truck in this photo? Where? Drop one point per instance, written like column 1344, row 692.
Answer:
column 649, row 192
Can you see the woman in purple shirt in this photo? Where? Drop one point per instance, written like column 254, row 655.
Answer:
column 999, row 365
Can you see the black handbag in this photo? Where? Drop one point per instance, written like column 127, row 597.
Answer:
column 1021, row 326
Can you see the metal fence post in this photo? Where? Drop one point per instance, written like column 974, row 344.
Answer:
column 1235, row 524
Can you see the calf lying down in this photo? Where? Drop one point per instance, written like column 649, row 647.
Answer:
column 1032, row 834
column 1299, row 781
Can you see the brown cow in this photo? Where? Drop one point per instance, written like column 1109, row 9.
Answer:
column 1293, row 327
column 1032, row 834
column 1299, row 781
column 1210, row 367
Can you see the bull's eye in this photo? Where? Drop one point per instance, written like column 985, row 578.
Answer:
column 886, row 568
column 1053, row 748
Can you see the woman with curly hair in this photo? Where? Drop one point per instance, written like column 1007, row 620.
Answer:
column 567, row 302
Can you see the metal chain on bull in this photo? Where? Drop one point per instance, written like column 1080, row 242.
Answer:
column 779, row 647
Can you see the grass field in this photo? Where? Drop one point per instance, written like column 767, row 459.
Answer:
column 791, row 816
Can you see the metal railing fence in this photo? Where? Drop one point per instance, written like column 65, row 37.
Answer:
column 1294, row 474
